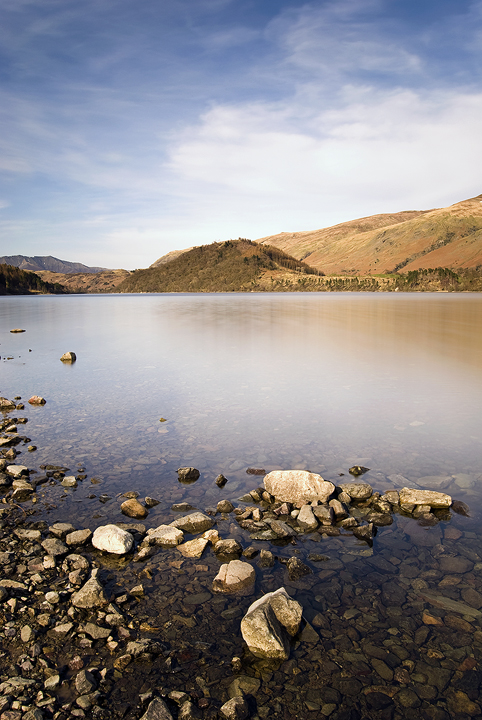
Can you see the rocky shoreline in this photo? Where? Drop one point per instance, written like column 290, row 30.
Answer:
column 154, row 631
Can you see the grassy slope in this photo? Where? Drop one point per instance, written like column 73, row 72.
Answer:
column 447, row 237
column 14, row 281
column 104, row 282
column 235, row 265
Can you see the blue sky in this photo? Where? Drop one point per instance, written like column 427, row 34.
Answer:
column 129, row 129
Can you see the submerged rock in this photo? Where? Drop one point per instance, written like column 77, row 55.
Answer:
column 298, row 486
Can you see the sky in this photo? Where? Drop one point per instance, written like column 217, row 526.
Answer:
column 129, row 129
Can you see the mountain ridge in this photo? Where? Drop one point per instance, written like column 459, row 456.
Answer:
column 37, row 263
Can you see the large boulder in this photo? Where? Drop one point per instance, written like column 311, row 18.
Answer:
column 112, row 539
column 409, row 496
column 298, row 486
column 268, row 624
column 235, row 577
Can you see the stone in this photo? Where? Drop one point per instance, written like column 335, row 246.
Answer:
column 90, row 595
column 193, row 548
column 409, row 496
column 69, row 357
column 235, row 709
column 228, row 547
column 188, row 474
column 16, row 471
column 133, row 508
column 357, row 491
column 85, row 682
column 79, row 537
column 297, row 569
column 60, row 530
column 69, row 481
column 189, row 711
column 224, row 506
column 324, row 513
column 157, row 710
column 365, row 532
column 55, row 547
column 112, row 539
column 268, row 623
column 460, row 508
column 221, row 481
column 266, row 559
column 165, row 535
column 298, row 486
column 194, row 523
column 340, row 510
column 457, row 564
column 37, row 400
column 236, row 577
column 306, row 518
column 458, row 702
column 435, row 482
column 6, row 404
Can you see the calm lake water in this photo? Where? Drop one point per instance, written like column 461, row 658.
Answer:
column 319, row 382
column 284, row 381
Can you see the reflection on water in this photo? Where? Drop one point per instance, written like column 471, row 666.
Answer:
column 277, row 381
column 392, row 382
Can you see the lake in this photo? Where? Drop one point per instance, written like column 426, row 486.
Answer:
column 392, row 382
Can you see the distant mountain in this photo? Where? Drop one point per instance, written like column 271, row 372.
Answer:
column 447, row 237
column 47, row 262
column 232, row 266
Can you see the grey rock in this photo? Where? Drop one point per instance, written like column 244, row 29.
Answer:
column 79, row 537
column 297, row 569
column 409, row 496
column 224, row 506
column 268, row 622
column 189, row 711
column 306, row 518
column 357, row 491
column 90, row 595
column 85, row 682
column 157, row 710
column 324, row 513
column 194, row 523
column 165, row 535
column 228, row 547
column 235, row 709
column 188, row 474
column 236, row 577
column 55, row 547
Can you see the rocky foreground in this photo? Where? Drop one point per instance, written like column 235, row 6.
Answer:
column 233, row 612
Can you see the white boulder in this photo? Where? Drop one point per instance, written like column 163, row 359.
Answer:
column 298, row 486
column 112, row 539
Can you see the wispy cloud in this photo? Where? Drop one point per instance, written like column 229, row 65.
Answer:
column 162, row 125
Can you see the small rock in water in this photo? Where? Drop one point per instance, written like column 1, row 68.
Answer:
column 357, row 491
column 188, row 474
column 221, row 481
column 297, row 569
column 195, row 523
column 132, row 508
column 256, row 471
column 358, row 470
column 460, row 508
column 224, row 506
column 37, row 400
column 17, row 330
column 69, row 357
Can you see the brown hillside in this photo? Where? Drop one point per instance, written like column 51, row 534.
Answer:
column 446, row 237
column 104, row 282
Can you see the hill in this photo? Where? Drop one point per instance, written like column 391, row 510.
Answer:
column 103, row 282
column 168, row 257
column 38, row 263
column 232, row 266
column 448, row 237
column 14, row 281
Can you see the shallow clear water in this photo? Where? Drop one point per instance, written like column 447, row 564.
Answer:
column 393, row 382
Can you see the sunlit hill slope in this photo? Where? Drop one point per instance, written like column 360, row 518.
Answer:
column 447, row 237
